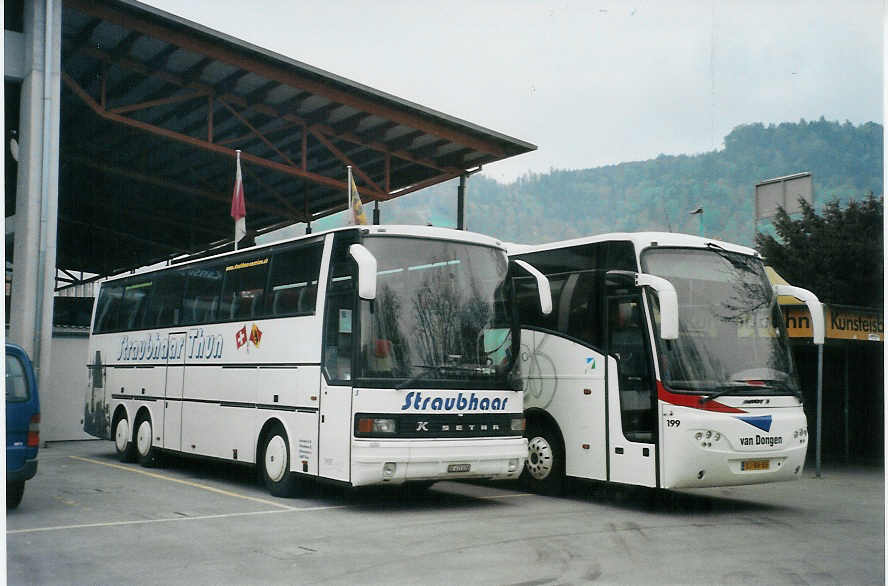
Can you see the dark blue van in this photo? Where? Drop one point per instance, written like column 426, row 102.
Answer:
column 22, row 423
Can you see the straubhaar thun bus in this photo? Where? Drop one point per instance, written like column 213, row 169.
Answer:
column 664, row 363
column 363, row 355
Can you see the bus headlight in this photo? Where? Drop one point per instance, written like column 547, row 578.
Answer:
column 518, row 424
column 376, row 425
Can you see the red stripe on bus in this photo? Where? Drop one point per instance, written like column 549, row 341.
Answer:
column 694, row 401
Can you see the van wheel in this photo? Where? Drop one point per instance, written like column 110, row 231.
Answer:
column 544, row 469
column 123, row 444
column 145, row 444
column 274, row 461
column 14, row 493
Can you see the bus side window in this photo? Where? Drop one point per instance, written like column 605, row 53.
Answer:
column 340, row 303
column 108, row 310
column 243, row 292
column 202, row 290
column 165, row 308
column 293, row 284
column 627, row 344
column 584, row 322
column 136, row 297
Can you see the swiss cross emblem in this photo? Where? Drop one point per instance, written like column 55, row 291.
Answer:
column 241, row 337
column 255, row 335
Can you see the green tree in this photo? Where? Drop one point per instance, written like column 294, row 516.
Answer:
column 836, row 254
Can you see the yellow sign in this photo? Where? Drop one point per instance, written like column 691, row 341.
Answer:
column 841, row 324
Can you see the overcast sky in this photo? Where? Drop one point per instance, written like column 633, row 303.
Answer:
column 590, row 83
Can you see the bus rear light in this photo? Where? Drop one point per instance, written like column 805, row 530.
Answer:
column 518, row 424
column 374, row 425
column 34, row 431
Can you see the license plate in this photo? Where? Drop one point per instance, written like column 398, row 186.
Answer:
column 459, row 467
column 755, row 465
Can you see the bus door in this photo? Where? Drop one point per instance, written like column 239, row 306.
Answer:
column 631, row 392
column 335, row 421
column 175, row 382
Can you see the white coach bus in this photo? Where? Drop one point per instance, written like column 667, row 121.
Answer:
column 664, row 363
column 363, row 355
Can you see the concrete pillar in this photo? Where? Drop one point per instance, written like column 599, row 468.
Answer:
column 33, row 276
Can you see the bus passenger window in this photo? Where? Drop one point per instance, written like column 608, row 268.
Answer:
column 627, row 344
column 293, row 286
column 244, row 288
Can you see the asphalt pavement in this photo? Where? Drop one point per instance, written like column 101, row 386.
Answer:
column 88, row 519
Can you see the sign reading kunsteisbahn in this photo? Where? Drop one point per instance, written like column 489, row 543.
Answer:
column 842, row 323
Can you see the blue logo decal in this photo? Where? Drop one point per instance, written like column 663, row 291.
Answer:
column 762, row 422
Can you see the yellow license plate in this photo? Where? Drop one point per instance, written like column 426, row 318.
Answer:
column 755, row 465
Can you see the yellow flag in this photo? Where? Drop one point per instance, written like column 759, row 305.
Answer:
column 356, row 213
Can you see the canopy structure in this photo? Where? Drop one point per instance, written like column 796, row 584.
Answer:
column 153, row 108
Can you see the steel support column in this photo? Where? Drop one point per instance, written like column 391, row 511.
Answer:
column 461, row 203
column 34, row 271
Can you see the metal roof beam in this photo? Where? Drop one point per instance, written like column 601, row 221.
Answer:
column 238, row 58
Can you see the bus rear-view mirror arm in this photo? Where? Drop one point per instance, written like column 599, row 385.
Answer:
column 667, row 296
column 545, row 291
column 815, row 308
column 366, row 271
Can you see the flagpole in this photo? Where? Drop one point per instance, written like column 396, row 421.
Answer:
column 349, row 167
column 235, row 186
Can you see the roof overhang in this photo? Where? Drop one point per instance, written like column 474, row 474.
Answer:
column 154, row 108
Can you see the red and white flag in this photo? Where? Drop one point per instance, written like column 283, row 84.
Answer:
column 238, row 207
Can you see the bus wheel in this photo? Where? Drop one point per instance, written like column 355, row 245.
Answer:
column 544, row 468
column 145, row 443
column 14, row 493
column 123, row 444
column 275, row 463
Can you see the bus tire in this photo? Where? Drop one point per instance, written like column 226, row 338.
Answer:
column 123, row 440
column 274, row 461
column 544, row 469
column 145, row 450
column 14, row 493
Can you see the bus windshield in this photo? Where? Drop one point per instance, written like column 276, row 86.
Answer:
column 440, row 317
column 731, row 333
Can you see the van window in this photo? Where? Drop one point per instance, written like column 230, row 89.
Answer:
column 16, row 382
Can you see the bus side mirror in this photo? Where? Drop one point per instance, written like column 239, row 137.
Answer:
column 545, row 291
column 366, row 271
column 815, row 308
column 667, row 296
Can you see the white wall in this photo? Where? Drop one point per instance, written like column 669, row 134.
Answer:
column 62, row 396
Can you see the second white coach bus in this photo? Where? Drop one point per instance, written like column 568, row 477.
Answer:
column 664, row 363
column 364, row 355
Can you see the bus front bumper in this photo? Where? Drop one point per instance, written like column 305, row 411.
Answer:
column 399, row 461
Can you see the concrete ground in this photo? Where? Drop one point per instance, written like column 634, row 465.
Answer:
column 87, row 519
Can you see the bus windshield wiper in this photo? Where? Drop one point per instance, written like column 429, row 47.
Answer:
column 733, row 258
column 733, row 388
column 438, row 368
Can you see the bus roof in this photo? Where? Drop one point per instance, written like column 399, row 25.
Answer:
column 430, row 232
column 641, row 240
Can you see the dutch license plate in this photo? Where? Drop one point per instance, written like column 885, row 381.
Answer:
column 755, row 465
column 459, row 467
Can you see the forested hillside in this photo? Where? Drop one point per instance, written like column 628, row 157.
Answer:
column 845, row 160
